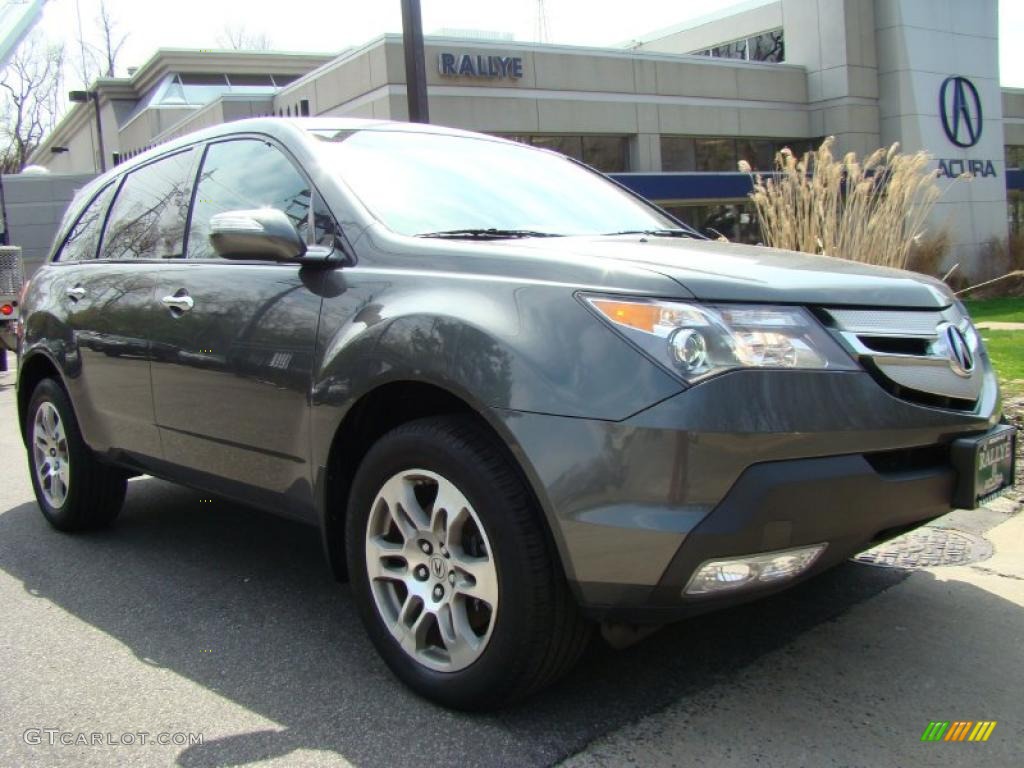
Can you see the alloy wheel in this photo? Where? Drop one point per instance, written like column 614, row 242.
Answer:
column 431, row 570
column 50, row 455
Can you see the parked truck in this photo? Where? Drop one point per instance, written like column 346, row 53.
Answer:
column 12, row 275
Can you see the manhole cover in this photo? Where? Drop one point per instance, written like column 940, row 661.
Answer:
column 926, row 547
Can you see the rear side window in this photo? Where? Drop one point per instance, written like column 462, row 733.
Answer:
column 241, row 175
column 83, row 240
column 148, row 217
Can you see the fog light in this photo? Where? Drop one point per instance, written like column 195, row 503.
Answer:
column 750, row 570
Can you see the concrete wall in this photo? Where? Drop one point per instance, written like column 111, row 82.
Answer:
column 572, row 90
column 35, row 206
column 834, row 40
column 139, row 133
column 920, row 44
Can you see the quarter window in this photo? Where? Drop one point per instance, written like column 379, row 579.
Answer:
column 148, row 217
column 241, row 175
column 84, row 238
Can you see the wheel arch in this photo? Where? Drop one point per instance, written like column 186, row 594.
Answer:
column 36, row 366
column 376, row 412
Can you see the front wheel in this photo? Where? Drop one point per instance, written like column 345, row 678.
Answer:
column 453, row 572
column 74, row 489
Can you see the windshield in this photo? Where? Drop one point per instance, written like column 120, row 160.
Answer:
column 422, row 183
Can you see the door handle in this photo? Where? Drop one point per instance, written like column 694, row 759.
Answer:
column 179, row 303
column 76, row 293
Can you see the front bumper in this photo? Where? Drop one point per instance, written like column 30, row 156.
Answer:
column 753, row 461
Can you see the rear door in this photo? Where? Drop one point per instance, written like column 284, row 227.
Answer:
column 233, row 345
column 111, row 299
column 105, row 355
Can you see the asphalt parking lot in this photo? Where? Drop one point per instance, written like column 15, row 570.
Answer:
column 196, row 615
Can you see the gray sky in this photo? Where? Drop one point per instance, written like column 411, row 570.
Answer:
column 330, row 25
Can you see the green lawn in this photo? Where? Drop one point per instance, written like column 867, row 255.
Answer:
column 997, row 310
column 1006, row 348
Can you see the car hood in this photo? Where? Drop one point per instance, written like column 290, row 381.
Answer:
column 717, row 271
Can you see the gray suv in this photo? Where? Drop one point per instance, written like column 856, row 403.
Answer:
column 517, row 400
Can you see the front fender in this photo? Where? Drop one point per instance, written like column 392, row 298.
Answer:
column 501, row 344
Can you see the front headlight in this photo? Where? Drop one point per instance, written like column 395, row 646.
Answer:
column 695, row 341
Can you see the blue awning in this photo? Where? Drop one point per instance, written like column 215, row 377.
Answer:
column 695, row 186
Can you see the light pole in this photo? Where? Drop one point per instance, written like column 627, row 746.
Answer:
column 80, row 97
column 415, row 66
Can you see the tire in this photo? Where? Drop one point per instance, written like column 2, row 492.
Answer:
column 81, row 493
column 492, row 655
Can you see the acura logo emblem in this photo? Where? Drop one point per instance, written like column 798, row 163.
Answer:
column 960, row 108
column 438, row 567
column 961, row 359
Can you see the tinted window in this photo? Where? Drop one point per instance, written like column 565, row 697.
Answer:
column 148, row 217
column 417, row 183
column 84, row 239
column 241, row 175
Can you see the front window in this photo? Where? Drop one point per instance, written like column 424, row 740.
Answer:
column 420, row 183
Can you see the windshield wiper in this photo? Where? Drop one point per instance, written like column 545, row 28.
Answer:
column 654, row 233
column 492, row 233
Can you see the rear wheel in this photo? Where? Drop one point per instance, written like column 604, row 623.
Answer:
column 74, row 490
column 453, row 572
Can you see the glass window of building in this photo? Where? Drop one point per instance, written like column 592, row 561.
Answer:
column 608, row 154
column 715, row 154
column 768, row 47
column 567, row 145
column 719, row 154
column 735, row 220
column 734, row 50
column 759, row 153
column 1015, row 155
column 678, row 154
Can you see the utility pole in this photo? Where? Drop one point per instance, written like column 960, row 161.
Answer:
column 415, row 64
column 542, row 22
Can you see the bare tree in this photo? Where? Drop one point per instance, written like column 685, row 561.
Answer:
column 111, row 41
column 98, row 57
column 236, row 37
column 31, row 87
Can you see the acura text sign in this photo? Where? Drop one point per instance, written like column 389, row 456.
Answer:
column 478, row 65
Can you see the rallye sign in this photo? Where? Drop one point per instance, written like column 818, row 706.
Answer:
column 477, row 65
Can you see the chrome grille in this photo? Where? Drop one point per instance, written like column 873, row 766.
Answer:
column 911, row 352
column 882, row 322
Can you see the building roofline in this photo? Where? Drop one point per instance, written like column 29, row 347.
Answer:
column 166, row 60
column 699, row 21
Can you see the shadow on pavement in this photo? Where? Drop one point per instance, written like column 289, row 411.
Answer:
column 175, row 576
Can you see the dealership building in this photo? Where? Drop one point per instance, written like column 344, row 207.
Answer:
column 673, row 111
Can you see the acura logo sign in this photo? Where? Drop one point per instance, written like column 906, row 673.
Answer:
column 961, row 359
column 960, row 108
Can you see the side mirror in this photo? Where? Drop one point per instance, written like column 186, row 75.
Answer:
column 264, row 234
